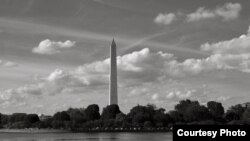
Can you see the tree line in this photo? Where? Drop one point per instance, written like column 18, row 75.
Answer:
column 140, row 117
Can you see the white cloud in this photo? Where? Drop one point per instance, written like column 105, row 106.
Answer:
column 239, row 45
column 231, row 54
column 215, row 62
column 134, row 68
column 200, row 13
column 11, row 96
column 228, row 11
column 180, row 94
column 155, row 96
column 141, row 66
column 223, row 98
column 4, row 63
column 165, row 18
column 136, row 65
column 51, row 47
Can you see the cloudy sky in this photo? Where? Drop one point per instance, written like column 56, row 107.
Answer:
column 54, row 54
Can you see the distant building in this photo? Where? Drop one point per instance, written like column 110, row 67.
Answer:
column 43, row 117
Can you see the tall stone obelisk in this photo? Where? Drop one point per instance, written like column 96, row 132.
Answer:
column 113, row 99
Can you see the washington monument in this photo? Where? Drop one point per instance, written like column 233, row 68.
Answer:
column 113, row 99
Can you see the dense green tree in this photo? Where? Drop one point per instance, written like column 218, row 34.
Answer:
column 4, row 119
column 140, row 118
column 21, row 120
column 19, row 125
column 77, row 115
column 216, row 109
column 176, row 116
column 230, row 116
column 246, row 116
column 160, row 118
column 57, row 124
column 17, row 117
column 168, row 118
column 140, row 114
column 196, row 112
column 60, row 120
column 61, row 116
column 235, row 112
column 92, row 112
column 110, row 112
column 146, row 117
column 109, row 123
column 120, row 117
column 183, row 105
column 32, row 118
column 46, row 123
column 147, row 124
column 1, row 125
column 192, row 110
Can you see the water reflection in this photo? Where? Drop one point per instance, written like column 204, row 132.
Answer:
column 86, row 137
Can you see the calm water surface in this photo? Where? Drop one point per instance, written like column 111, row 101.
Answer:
column 86, row 137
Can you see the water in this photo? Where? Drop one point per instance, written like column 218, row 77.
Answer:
column 86, row 137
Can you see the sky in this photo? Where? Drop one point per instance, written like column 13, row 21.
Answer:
column 54, row 54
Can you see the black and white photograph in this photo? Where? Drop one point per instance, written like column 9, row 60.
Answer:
column 123, row 70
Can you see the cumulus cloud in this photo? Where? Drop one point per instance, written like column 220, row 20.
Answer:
column 200, row 13
column 228, row 11
column 180, row 95
column 223, row 98
column 232, row 54
column 136, row 65
column 141, row 66
column 4, row 63
column 134, row 68
column 11, row 96
column 165, row 18
column 215, row 62
column 155, row 96
column 239, row 45
column 51, row 47
column 57, row 82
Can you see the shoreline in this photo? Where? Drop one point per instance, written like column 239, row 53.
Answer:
column 31, row 130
